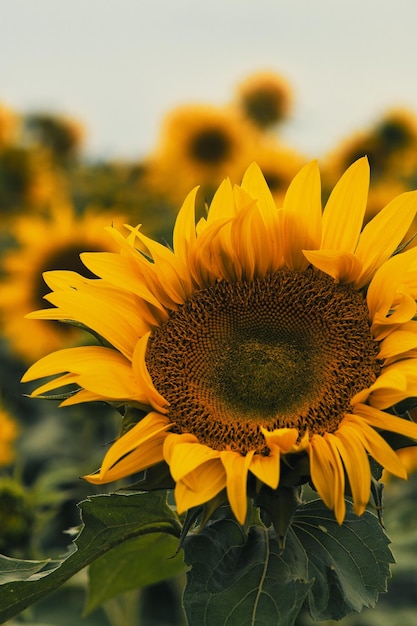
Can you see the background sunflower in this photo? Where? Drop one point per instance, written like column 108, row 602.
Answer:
column 40, row 243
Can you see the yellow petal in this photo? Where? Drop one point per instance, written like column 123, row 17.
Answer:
column 140, row 448
column 285, row 439
column 184, row 234
column 390, row 382
column 377, row 446
column 322, row 470
column 119, row 271
column 97, row 369
column 207, row 481
column 64, row 279
column 141, row 374
column 214, row 257
column 302, row 216
column 393, row 390
column 249, row 239
column 110, row 313
column 222, row 205
column 55, row 383
column 345, row 209
column 255, row 185
column 85, row 396
column 386, row 282
column 380, row 238
column 186, row 457
column 267, row 468
column 237, row 467
column 397, row 342
column 404, row 309
column 356, row 464
column 339, row 478
column 342, row 266
column 385, row 421
column 172, row 440
column 169, row 270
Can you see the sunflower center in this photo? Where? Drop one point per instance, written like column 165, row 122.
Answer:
column 288, row 350
column 210, row 146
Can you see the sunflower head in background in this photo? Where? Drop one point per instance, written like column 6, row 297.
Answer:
column 61, row 135
column 9, row 125
column 200, row 144
column 43, row 243
column 262, row 350
column 265, row 98
column 390, row 145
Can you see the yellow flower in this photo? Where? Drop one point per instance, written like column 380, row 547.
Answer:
column 9, row 125
column 8, row 433
column 263, row 337
column 200, row 144
column 390, row 145
column 44, row 243
column 265, row 97
column 28, row 180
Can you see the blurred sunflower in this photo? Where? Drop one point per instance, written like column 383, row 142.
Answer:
column 9, row 124
column 44, row 243
column 200, row 145
column 390, row 145
column 28, row 180
column 8, row 434
column 63, row 136
column 263, row 339
column 265, row 97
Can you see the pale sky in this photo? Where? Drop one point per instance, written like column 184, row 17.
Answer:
column 120, row 65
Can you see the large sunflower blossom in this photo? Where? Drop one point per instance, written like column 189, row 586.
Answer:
column 265, row 336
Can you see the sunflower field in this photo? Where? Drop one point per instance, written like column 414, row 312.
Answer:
column 208, row 372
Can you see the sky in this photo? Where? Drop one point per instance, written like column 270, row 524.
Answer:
column 119, row 66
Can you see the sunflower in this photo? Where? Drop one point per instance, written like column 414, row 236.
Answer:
column 265, row 98
column 44, row 242
column 389, row 144
column 200, row 144
column 263, row 339
column 9, row 124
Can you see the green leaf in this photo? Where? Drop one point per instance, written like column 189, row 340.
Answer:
column 108, row 520
column 242, row 580
column 349, row 563
column 15, row 569
column 133, row 564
